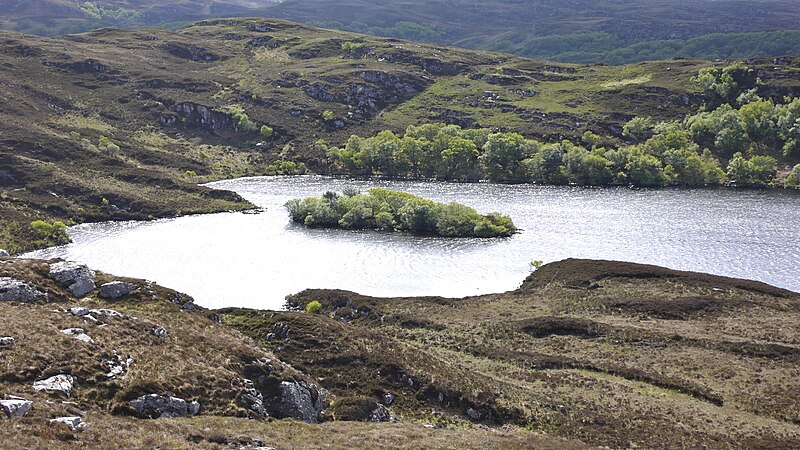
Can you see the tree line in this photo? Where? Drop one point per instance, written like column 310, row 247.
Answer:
column 735, row 138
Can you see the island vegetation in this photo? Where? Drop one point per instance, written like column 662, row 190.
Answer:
column 383, row 209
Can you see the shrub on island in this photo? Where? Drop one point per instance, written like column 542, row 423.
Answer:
column 383, row 209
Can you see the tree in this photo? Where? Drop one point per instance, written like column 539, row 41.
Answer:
column 502, row 155
column 460, row 160
column 638, row 129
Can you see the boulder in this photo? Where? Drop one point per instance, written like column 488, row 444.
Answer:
column 79, row 311
column 74, row 423
column 79, row 334
column 77, row 278
column 388, row 399
column 252, row 400
column 6, row 342
column 298, row 399
column 13, row 290
column 380, row 414
column 116, row 289
column 59, row 384
column 15, row 408
column 154, row 406
column 160, row 332
column 4, row 254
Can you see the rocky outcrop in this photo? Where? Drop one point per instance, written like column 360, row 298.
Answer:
column 15, row 407
column 200, row 117
column 73, row 423
column 193, row 53
column 280, row 331
column 253, row 400
column 58, row 384
column 117, row 366
column 297, row 399
column 154, row 406
column 13, row 290
column 77, row 278
column 79, row 334
column 116, row 289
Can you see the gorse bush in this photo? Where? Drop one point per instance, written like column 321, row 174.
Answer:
column 313, row 307
column 49, row 233
column 383, row 209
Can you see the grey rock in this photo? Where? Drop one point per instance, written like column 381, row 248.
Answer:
column 154, row 406
column 117, row 366
column 299, row 399
column 82, row 287
column 388, row 399
column 77, row 278
column 253, row 400
column 4, row 254
column 74, row 423
column 79, row 311
column 280, row 331
column 6, row 341
column 60, row 384
column 15, row 408
column 13, row 290
column 116, row 289
column 79, row 334
column 160, row 332
column 473, row 414
column 380, row 414
column 106, row 313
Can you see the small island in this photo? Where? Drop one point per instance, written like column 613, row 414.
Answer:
column 384, row 209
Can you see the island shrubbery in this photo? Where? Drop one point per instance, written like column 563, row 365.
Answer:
column 384, row 209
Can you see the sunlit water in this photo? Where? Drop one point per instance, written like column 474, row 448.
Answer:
column 254, row 260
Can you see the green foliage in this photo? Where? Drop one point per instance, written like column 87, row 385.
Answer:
column 191, row 173
column 724, row 85
column 286, row 168
column 638, row 129
column 313, row 307
column 384, row 209
column 793, row 179
column 95, row 11
column 328, row 115
column 243, row 122
column 105, row 144
column 49, row 233
column 266, row 131
column 757, row 171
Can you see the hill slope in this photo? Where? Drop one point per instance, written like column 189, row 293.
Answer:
column 576, row 31
column 101, row 125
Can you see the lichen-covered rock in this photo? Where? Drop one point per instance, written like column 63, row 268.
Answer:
column 298, row 399
column 154, row 406
column 79, row 334
column 59, row 384
column 13, row 290
column 77, row 278
column 116, row 289
column 15, row 408
column 74, row 423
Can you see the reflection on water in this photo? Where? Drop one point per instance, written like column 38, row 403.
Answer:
column 254, row 260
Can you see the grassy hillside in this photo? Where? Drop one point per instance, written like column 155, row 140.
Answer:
column 615, row 32
column 584, row 353
column 122, row 124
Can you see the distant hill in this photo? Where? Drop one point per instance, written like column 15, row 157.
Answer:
column 610, row 31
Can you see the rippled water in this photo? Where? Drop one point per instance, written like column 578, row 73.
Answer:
column 254, row 260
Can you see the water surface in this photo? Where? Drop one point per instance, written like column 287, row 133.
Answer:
column 254, row 260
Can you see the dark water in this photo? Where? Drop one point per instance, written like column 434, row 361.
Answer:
column 254, row 260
